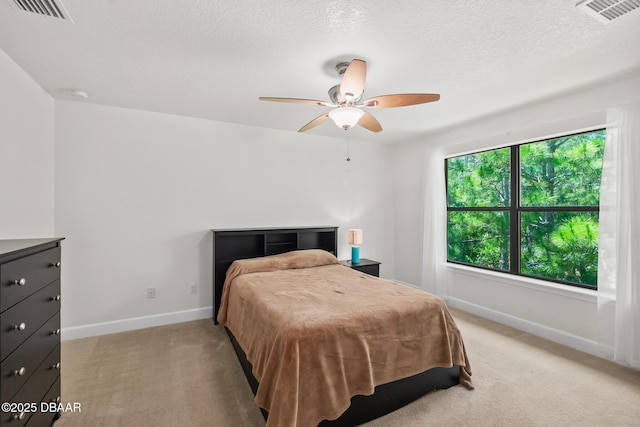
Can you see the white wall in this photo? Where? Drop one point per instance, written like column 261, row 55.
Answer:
column 26, row 155
column 137, row 193
column 560, row 313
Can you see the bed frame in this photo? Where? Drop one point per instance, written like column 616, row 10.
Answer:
column 232, row 244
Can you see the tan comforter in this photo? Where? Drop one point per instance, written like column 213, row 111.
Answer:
column 318, row 333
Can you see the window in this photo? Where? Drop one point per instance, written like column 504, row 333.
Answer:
column 530, row 209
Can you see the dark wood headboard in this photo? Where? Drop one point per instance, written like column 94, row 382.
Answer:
column 232, row 244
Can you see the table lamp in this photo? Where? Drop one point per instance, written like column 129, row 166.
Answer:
column 355, row 240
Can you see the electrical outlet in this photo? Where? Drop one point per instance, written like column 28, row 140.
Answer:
column 193, row 288
column 151, row 293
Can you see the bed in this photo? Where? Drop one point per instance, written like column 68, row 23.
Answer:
column 323, row 344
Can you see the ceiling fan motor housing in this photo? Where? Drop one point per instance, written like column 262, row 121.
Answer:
column 341, row 67
column 337, row 98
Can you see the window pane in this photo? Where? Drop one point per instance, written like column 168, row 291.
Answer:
column 560, row 245
column 563, row 171
column 479, row 238
column 480, row 180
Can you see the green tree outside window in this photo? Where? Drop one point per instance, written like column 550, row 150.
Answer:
column 530, row 209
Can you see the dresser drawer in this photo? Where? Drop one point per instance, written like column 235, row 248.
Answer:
column 47, row 372
column 23, row 362
column 47, row 377
column 20, row 321
column 44, row 419
column 16, row 418
column 23, row 277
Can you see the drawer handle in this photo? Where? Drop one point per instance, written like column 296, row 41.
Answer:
column 20, row 416
column 21, row 327
column 20, row 372
column 56, row 366
column 20, row 282
column 56, row 298
column 55, row 264
column 55, row 332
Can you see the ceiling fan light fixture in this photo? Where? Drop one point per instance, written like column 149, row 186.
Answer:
column 346, row 117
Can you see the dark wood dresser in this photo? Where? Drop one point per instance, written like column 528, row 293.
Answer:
column 30, row 330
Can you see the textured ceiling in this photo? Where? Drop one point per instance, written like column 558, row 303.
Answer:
column 213, row 59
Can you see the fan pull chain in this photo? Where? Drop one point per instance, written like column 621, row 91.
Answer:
column 348, row 143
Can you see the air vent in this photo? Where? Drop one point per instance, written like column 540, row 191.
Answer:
column 606, row 11
column 52, row 8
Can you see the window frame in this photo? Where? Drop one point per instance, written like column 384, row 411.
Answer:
column 515, row 210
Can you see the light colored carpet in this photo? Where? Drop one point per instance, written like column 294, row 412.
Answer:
column 187, row 375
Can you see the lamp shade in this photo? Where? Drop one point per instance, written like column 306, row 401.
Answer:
column 346, row 117
column 355, row 236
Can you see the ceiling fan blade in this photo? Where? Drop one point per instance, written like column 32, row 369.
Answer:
column 400, row 100
column 315, row 122
column 369, row 122
column 352, row 83
column 297, row 101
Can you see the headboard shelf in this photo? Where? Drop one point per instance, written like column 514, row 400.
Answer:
column 232, row 244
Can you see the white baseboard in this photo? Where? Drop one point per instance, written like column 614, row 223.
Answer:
column 95, row 329
column 573, row 341
column 406, row 283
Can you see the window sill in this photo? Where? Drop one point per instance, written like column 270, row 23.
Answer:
column 539, row 285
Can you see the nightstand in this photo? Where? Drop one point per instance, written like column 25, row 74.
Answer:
column 365, row 265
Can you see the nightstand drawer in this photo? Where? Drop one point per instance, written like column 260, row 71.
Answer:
column 373, row 270
column 367, row 266
column 25, row 276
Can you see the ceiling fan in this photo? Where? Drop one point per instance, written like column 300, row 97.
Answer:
column 347, row 104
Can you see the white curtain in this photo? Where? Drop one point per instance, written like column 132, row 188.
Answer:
column 619, row 244
column 434, row 250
